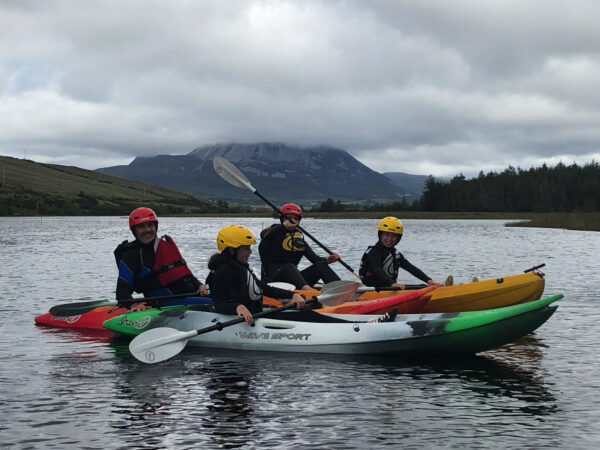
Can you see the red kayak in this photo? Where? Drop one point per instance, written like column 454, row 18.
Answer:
column 90, row 320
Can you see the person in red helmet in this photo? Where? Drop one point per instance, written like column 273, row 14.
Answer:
column 281, row 248
column 152, row 265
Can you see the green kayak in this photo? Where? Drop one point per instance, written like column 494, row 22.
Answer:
column 422, row 334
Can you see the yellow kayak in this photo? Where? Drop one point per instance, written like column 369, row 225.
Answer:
column 487, row 294
column 476, row 295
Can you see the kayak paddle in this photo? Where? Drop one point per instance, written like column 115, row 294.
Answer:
column 234, row 176
column 159, row 344
column 74, row 309
column 361, row 289
column 407, row 287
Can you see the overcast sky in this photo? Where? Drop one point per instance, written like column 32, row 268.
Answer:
column 419, row 87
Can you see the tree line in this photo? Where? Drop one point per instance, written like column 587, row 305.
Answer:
column 543, row 189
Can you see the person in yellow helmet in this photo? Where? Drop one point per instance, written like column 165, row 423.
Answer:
column 234, row 287
column 381, row 262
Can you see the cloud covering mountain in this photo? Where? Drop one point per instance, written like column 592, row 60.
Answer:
column 419, row 87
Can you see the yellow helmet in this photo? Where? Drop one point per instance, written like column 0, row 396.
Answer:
column 391, row 225
column 234, row 236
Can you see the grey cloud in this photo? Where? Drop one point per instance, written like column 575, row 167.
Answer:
column 435, row 87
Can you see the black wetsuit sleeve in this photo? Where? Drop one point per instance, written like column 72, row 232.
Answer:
column 413, row 270
column 310, row 254
column 225, row 290
column 374, row 265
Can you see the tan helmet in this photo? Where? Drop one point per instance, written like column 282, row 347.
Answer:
column 234, row 236
column 391, row 225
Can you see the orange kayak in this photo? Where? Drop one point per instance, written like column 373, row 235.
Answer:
column 410, row 302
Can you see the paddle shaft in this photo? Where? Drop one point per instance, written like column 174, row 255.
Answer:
column 315, row 240
column 153, row 299
column 531, row 269
column 219, row 326
column 73, row 309
column 406, row 287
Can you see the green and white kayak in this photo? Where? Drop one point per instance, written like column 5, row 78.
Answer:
column 136, row 322
column 420, row 334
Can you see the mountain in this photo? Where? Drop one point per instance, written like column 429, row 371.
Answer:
column 411, row 185
column 30, row 188
column 280, row 172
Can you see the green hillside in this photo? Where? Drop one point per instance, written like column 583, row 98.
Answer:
column 30, row 188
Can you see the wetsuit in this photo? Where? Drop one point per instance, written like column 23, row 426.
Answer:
column 137, row 272
column 232, row 284
column 379, row 266
column 281, row 251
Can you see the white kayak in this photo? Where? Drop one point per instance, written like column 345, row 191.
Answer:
column 447, row 333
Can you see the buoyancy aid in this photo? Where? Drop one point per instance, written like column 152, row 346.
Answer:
column 255, row 293
column 169, row 266
column 390, row 263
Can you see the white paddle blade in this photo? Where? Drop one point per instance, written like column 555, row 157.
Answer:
column 337, row 292
column 159, row 344
column 282, row 285
column 231, row 174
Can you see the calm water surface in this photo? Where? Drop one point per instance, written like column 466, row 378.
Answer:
column 67, row 389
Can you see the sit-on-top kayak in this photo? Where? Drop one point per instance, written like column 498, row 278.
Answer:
column 133, row 323
column 405, row 302
column 474, row 296
column 419, row 334
column 94, row 318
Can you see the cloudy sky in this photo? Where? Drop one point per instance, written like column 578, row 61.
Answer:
column 420, row 87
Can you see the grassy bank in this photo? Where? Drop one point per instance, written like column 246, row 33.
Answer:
column 420, row 215
column 585, row 221
column 28, row 188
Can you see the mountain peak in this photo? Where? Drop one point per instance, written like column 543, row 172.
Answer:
column 280, row 171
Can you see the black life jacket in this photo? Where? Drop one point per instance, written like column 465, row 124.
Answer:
column 390, row 263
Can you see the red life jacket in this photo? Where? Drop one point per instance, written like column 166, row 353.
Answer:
column 169, row 266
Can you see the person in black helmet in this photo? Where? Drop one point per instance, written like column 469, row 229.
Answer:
column 380, row 263
column 152, row 265
column 281, row 248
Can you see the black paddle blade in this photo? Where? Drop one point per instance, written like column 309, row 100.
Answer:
column 75, row 309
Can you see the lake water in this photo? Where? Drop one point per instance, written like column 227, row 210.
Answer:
column 66, row 389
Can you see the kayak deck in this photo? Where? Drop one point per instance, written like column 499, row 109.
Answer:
column 461, row 333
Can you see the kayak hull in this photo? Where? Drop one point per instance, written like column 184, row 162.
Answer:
column 473, row 296
column 93, row 320
column 422, row 335
column 487, row 294
column 133, row 323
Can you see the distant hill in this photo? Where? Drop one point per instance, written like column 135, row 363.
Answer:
column 281, row 172
column 30, row 188
column 411, row 185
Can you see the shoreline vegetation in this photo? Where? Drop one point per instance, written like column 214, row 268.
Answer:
column 576, row 221
column 35, row 189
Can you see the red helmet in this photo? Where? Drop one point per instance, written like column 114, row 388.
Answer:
column 291, row 208
column 141, row 215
